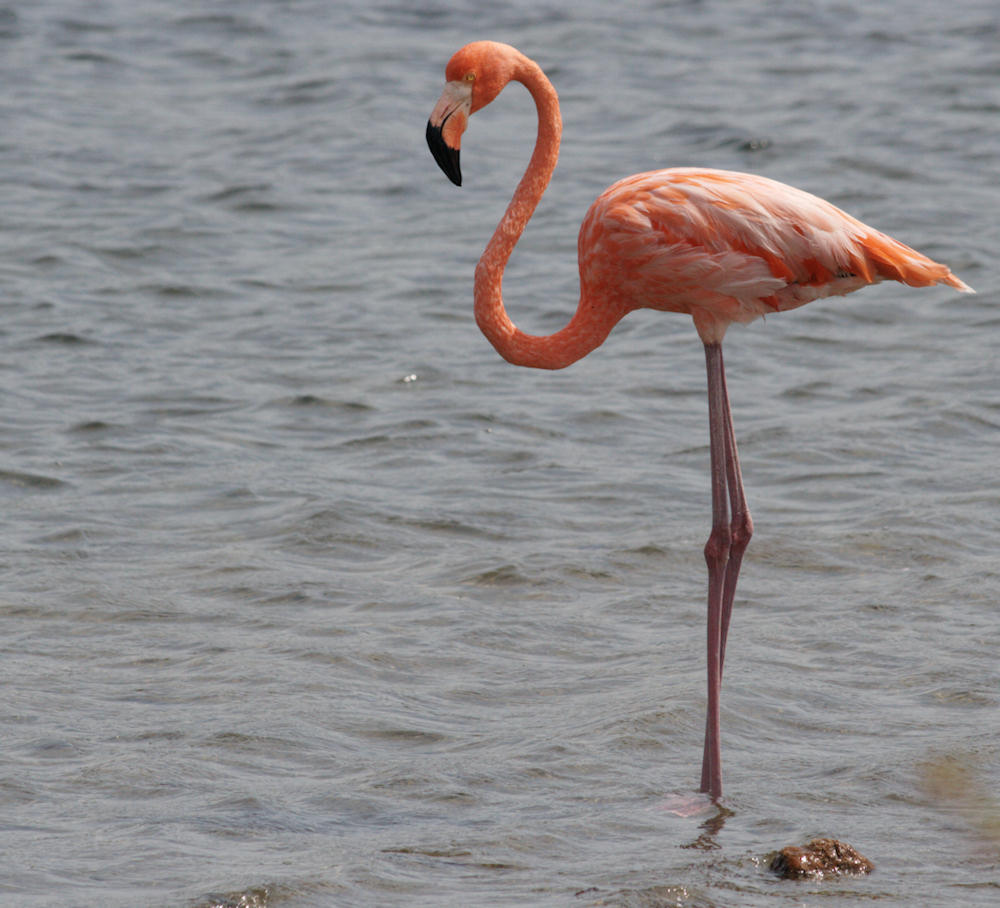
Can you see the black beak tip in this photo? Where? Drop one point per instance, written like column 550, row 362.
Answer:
column 444, row 154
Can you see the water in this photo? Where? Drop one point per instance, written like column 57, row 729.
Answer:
column 310, row 599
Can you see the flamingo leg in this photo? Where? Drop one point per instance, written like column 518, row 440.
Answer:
column 731, row 531
column 716, row 557
column 740, row 526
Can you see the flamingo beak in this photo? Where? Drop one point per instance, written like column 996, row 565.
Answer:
column 445, row 155
column 446, row 125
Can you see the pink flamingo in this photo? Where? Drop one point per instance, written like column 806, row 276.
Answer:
column 723, row 247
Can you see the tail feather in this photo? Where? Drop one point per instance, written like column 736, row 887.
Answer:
column 957, row 283
column 898, row 262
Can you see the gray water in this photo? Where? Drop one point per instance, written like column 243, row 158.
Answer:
column 310, row 599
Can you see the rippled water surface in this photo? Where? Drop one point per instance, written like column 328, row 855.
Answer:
column 310, row 599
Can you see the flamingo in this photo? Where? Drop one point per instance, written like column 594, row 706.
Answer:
column 722, row 247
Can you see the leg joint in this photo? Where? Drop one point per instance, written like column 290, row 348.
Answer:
column 718, row 545
column 741, row 530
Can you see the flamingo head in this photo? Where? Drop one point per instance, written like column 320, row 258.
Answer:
column 475, row 76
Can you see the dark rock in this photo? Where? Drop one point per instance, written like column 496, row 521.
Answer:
column 818, row 859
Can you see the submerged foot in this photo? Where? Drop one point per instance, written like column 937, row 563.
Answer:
column 688, row 803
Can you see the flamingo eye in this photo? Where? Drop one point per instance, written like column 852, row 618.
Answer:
column 470, row 77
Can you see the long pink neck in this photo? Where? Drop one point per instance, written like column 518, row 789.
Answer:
column 591, row 324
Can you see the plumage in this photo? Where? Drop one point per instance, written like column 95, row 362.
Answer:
column 722, row 247
column 734, row 244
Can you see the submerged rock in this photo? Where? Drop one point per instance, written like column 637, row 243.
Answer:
column 818, row 859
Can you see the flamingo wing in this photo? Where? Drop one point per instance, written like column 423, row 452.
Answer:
column 727, row 247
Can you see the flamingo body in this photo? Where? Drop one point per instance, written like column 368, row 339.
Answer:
column 722, row 247
column 729, row 247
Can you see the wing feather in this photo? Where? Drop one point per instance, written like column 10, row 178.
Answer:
column 686, row 239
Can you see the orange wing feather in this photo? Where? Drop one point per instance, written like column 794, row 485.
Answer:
column 727, row 247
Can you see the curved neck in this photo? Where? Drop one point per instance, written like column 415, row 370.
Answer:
column 591, row 324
